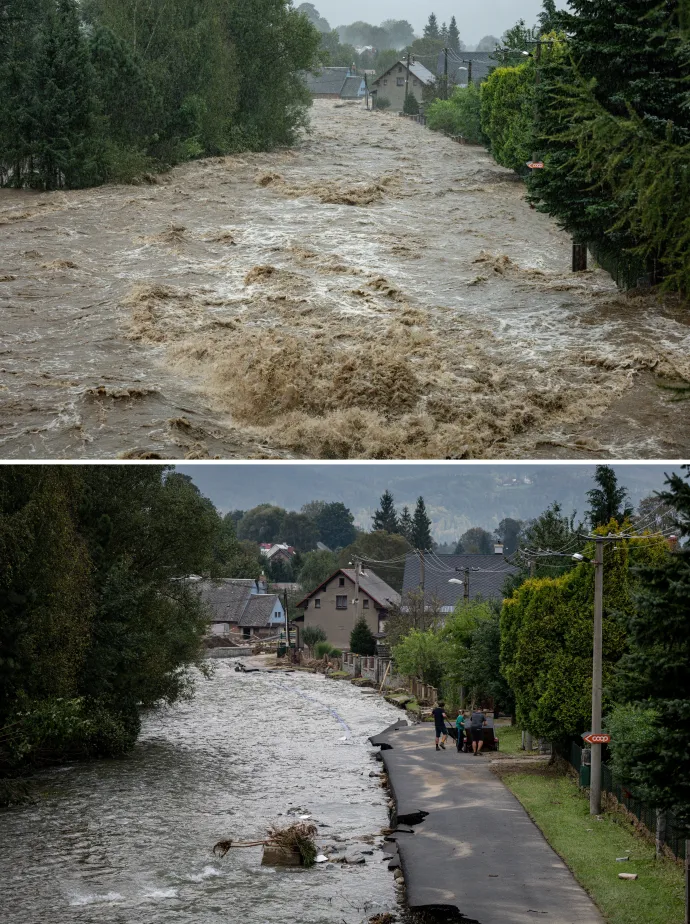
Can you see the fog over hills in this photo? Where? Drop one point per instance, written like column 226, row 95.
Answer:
column 457, row 496
column 489, row 17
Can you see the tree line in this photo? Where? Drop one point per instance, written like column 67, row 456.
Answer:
column 95, row 621
column 599, row 94
column 108, row 90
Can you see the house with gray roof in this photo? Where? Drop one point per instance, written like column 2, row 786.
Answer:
column 240, row 607
column 335, row 83
column 480, row 63
column 486, row 573
column 392, row 83
column 334, row 607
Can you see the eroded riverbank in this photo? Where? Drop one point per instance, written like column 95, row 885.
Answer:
column 378, row 292
column 121, row 842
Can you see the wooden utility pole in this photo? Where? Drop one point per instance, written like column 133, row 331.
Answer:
column 407, row 76
column 466, row 588
column 597, row 682
column 445, row 73
column 579, row 257
column 357, row 572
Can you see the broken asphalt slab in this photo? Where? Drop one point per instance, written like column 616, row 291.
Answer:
column 474, row 849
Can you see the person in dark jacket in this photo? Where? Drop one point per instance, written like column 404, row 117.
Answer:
column 440, row 723
column 477, row 723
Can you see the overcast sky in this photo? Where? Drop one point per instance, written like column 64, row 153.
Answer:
column 475, row 20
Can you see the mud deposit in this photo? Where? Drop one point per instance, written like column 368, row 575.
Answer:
column 381, row 292
column 129, row 841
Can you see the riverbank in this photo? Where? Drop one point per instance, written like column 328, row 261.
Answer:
column 125, row 840
column 590, row 847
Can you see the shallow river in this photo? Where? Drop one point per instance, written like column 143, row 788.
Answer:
column 378, row 292
column 129, row 841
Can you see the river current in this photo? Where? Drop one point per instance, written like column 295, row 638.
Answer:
column 130, row 841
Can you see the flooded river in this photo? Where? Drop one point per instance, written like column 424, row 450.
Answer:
column 129, row 841
column 379, row 292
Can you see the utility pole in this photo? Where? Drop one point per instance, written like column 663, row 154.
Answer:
column 358, row 565
column 466, row 588
column 407, row 76
column 595, row 783
column 445, row 73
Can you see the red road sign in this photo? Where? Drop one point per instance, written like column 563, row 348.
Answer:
column 535, row 165
column 591, row 738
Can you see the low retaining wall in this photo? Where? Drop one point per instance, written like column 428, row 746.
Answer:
column 379, row 671
column 227, row 652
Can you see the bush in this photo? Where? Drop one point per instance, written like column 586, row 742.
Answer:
column 382, row 102
column 311, row 635
column 336, row 653
column 421, row 655
column 507, row 114
column 411, row 105
column 459, row 115
column 322, row 648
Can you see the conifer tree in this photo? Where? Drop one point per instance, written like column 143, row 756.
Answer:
column 444, row 32
column 385, row 518
column 362, row 641
column 406, row 525
column 654, row 677
column 431, row 29
column 65, row 136
column 608, row 500
column 453, row 35
column 421, row 527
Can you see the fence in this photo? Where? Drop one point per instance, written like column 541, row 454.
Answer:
column 673, row 839
column 379, row 670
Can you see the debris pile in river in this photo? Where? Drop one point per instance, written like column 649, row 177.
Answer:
column 291, row 846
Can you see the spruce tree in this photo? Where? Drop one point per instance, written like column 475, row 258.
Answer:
column 431, row 29
column 65, row 142
column 655, row 675
column 608, row 500
column 444, row 32
column 421, row 528
column 454, row 36
column 386, row 519
column 362, row 641
column 406, row 525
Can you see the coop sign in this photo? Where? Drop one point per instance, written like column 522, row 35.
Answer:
column 592, row 738
column 535, row 165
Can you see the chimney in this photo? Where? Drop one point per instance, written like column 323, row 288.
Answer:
column 498, row 548
column 262, row 584
column 673, row 543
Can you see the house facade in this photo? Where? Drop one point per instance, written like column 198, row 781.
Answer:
column 332, row 605
column 391, row 85
column 278, row 551
column 241, row 608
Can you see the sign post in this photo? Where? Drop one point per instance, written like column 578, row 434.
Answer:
column 592, row 738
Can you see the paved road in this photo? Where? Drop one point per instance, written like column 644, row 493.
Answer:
column 477, row 849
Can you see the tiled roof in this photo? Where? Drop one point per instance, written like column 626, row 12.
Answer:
column 380, row 592
column 259, row 610
column 351, row 88
column 234, row 600
column 329, row 80
column 417, row 70
column 376, row 587
column 483, row 62
column 486, row 581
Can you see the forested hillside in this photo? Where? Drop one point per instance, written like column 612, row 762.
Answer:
column 109, row 89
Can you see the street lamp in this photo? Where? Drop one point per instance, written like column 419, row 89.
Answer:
column 455, row 581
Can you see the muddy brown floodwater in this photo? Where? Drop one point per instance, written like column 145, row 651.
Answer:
column 379, row 292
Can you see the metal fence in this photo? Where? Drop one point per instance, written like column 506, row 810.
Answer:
column 674, row 839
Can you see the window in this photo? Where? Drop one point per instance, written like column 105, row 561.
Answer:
column 385, row 83
column 365, row 603
column 401, row 81
column 317, row 603
column 400, row 70
column 341, row 582
column 341, row 603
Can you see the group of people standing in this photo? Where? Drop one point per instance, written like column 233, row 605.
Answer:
column 469, row 728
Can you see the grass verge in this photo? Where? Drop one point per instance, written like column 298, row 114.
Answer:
column 590, row 847
column 510, row 739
